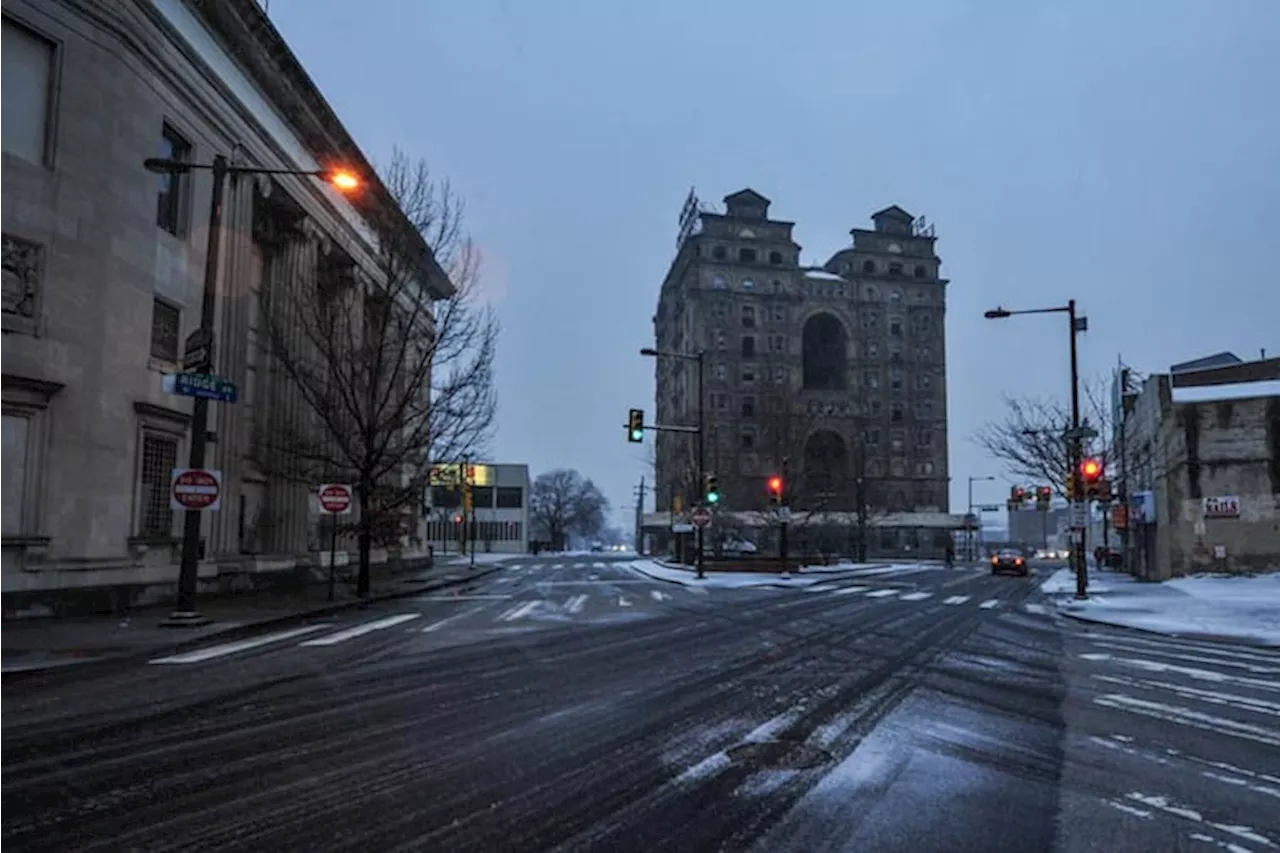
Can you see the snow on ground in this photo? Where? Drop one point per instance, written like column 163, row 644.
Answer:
column 1241, row 608
column 811, row 575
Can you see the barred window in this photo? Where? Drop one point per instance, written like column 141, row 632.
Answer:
column 166, row 321
column 159, row 458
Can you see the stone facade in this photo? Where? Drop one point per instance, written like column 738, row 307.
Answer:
column 834, row 377
column 103, row 270
column 1187, row 450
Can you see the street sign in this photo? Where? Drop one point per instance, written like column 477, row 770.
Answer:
column 680, row 527
column 1080, row 515
column 334, row 498
column 701, row 517
column 199, row 385
column 197, row 351
column 989, row 508
column 195, row 488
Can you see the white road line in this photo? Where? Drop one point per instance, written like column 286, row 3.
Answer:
column 1035, row 608
column 239, row 646
column 850, row 590
column 436, row 626
column 990, row 604
column 658, row 595
column 956, row 599
column 575, row 604
column 361, row 630
column 519, row 611
column 496, row 597
column 881, row 593
column 599, row 566
column 1190, row 718
column 623, row 602
column 917, row 596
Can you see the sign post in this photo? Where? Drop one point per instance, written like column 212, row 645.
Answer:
column 334, row 500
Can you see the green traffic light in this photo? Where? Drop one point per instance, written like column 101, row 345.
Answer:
column 637, row 435
column 713, row 497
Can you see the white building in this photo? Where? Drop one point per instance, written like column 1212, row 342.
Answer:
column 500, row 502
column 103, row 270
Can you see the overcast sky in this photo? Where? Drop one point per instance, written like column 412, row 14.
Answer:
column 1122, row 152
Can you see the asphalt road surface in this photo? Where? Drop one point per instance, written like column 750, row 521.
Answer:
column 574, row 704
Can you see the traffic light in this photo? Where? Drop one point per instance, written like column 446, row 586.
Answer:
column 635, row 425
column 1044, row 496
column 775, row 490
column 712, row 489
column 1090, row 477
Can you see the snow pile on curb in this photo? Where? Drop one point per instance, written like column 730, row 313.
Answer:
column 1239, row 608
column 810, row 576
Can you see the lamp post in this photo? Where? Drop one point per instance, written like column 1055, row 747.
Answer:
column 700, row 358
column 1075, row 448
column 185, row 613
column 970, row 552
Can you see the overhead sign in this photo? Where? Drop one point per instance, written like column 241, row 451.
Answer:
column 195, row 489
column 204, row 385
column 334, row 498
column 452, row 474
column 1227, row 506
column 701, row 517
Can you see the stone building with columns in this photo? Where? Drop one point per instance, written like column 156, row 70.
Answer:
column 103, row 273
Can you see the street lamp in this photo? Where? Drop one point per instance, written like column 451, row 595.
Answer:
column 1075, row 443
column 969, row 538
column 185, row 613
column 700, row 358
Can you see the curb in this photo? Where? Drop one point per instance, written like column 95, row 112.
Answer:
column 249, row 629
column 1199, row 636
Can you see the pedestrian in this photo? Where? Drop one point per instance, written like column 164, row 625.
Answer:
column 951, row 554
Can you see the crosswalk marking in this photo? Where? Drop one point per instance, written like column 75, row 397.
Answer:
column 496, row 597
column 850, row 590
column 881, row 593
column 1035, row 608
column 520, row 611
column 239, row 646
column 436, row 626
column 658, row 595
column 956, row 599
column 990, row 604
column 917, row 596
column 361, row 630
column 575, row 604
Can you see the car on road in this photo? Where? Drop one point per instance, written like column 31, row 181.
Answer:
column 1009, row 560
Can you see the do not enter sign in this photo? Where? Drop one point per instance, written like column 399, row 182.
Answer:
column 195, row 488
column 701, row 517
column 335, row 498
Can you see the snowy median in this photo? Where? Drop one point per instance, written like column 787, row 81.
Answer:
column 810, row 576
column 1244, row 609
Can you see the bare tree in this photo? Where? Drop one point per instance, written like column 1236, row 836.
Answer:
column 393, row 365
column 563, row 502
column 1032, row 441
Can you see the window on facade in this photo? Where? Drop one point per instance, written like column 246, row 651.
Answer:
column 720, row 371
column 777, row 286
column 718, row 253
column 748, row 284
column 748, row 346
column 871, row 379
column 924, row 353
column 748, row 407
column 748, row 375
column 748, row 440
column 720, row 401
column 870, row 320
column 28, row 64
column 17, row 436
column 868, row 266
column 919, row 271
column 924, row 438
column 922, row 380
column 874, row 405
column 895, row 296
column 895, row 380
column 748, row 317
column 895, row 327
column 779, row 375
column 895, row 268
column 166, row 323
column 897, row 467
column 897, row 412
column 719, row 282
column 482, row 497
column 924, row 410
column 872, row 437
column 720, row 339
column 775, row 258
column 159, row 458
column 171, row 199
column 873, row 350
column 747, row 256
column 509, row 497
column 779, row 313
column 924, row 322
column 777, row 343
column 446, row 497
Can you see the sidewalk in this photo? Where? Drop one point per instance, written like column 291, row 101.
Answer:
column 1238, row 609
column 37, row 645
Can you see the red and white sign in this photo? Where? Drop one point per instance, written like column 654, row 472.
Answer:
column 1227, row 506
column 700, row 517
column 334, row 498
column 195, row 488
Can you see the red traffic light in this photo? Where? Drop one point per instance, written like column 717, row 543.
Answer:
column 775, row 485
column 1090, row 469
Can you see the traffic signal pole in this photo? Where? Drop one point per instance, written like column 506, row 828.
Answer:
column 702, row 453
column 1075, row 454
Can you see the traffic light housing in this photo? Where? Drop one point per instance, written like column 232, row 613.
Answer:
column 1090, row 478
column 775, row 490
column 711, row 489
column 1044, row 496
column 635, row 425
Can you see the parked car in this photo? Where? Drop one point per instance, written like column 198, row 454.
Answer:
column 1009, row 560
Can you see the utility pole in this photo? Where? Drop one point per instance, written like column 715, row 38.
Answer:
column 639, row 534
column 1076, row 454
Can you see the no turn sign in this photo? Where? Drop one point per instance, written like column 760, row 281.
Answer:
column 195, row 489
column 334, row 498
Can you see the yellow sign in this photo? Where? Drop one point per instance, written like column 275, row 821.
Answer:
column 452, row 475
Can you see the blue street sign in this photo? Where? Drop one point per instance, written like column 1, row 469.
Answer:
column 200, row 385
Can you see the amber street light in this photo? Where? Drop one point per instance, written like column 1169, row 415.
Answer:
column 185, row 613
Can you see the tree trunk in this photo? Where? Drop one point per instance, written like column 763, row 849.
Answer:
column 364, row 540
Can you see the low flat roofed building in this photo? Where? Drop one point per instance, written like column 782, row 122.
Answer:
column 501, row 506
